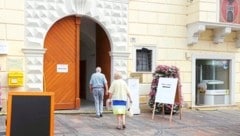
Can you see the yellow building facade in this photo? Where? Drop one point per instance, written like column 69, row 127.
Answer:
column 193, row 35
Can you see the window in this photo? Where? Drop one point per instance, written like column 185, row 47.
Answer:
column 144, row 60
column 212, row 81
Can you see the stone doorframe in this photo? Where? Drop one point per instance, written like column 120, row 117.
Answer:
column 41, row 15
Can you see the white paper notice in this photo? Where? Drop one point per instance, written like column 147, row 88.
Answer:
column 62, row 68
column 166, row 90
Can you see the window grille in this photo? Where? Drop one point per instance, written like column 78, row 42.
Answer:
column 143, row 60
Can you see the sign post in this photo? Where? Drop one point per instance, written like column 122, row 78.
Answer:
column 166, row 92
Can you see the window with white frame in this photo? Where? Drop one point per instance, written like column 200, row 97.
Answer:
column 212, row 79
column 144, row 59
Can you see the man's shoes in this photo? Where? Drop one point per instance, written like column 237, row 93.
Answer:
column 99, row 116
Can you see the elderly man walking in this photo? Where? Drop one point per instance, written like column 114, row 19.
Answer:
column 97, row 85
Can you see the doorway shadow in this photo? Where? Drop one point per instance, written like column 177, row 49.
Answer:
column 86, row 105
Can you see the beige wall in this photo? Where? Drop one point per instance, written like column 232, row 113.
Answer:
column 154, row 23
column 202, row 10
column 12, row 35
column 163, row 24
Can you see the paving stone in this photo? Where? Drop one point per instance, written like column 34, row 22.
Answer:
column 193, row 123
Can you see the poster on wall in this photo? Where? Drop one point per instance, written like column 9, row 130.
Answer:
column 229, row 11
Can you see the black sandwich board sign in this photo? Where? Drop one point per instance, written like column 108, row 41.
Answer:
column 30, row 114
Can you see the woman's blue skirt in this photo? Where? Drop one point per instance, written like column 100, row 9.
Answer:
column 119, row 106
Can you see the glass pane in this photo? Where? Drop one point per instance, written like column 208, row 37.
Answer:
column 212, row 80
column 143, row 60
column 215, row 73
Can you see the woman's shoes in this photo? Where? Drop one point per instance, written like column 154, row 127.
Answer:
column 119, row 128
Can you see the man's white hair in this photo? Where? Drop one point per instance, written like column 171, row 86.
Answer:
column 98, row 69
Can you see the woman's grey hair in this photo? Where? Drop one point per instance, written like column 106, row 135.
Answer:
column 98, row 69
column 117, row 75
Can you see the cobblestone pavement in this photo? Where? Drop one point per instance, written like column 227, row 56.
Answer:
column 193, row 123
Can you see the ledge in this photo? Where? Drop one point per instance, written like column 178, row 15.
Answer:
column 34, row 51
column 220, row 31
column 119, row 54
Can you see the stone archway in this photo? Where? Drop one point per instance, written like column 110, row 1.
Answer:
column 40, row 16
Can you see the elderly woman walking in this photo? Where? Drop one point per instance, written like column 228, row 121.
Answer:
column 119, row 94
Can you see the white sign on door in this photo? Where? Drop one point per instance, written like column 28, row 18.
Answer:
column 62, row 68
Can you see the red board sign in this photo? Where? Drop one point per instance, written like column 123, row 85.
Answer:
column 229, row 11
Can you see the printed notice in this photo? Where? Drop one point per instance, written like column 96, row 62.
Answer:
column 166, row 90
column 62, row 68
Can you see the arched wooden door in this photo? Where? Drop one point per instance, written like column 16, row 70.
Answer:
column 61, row 62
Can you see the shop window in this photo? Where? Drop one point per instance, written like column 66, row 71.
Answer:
column 212, row 81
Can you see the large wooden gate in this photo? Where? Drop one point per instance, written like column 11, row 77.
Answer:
column 61, row 62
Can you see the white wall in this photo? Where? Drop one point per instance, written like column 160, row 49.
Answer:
column 11, row 35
